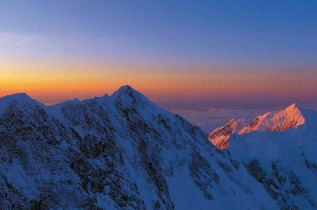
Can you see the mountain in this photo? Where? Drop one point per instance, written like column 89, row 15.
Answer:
column 283, row 160
column 220, row 136
column 291, row 117
column 285, row 163
column 116, row 152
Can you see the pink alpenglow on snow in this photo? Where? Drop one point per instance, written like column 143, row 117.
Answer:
column 220, row 136
column 291, row 117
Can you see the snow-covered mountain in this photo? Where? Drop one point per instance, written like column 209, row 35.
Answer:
column 124, row 152
column 284, row 162
column 115, row 152
column 220, row 136
column 291, row 117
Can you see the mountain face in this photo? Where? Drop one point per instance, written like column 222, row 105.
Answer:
column 285, row 163
column 291, row 117
column 220, row 136
column 115, row 152
column 124, row 152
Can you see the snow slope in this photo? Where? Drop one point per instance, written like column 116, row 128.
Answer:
column 116, row 152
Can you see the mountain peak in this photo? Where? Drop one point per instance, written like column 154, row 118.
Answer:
column 290, row 117
column 18, row 97
column 291, row 107
column 124, row 90
column 127, row 93
column 220, row 136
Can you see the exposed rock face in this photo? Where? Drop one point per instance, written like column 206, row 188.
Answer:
column 220, row 136
column 283, row 186
column 291, row 117
column 115, row 152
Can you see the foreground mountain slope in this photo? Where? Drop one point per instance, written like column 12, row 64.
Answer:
column 114, row 152
column 291, row 117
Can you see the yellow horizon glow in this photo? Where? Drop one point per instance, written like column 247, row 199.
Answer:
column 89, row 80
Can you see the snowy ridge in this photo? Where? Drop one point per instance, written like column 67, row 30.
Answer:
column 19, row 98
column 291, row 117
column 115, row 152
column 284, row 162
column 124, row 152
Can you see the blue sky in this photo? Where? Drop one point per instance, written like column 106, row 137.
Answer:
column 269, row 36
column 210, row 32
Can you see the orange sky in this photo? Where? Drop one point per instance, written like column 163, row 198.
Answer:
column 59, row 50
column 60, row 81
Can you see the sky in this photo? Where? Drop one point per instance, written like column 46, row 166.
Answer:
column 181, row 54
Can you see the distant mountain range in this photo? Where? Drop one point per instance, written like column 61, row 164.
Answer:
column 124, row 152
column 291, row 117
column 278, row 150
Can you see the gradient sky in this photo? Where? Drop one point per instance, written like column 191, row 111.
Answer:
column 181, row 54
